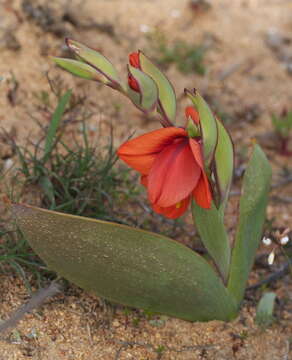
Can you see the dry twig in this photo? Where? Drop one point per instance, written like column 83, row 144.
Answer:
column 36, row 301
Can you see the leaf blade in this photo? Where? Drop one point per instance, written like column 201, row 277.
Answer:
column 127, row 265
column 209, row 224
column 253, row 202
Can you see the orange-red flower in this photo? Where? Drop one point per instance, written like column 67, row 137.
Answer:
column 172, row 168
column 135, row 62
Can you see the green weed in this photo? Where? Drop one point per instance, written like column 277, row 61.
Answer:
column 283, row 128
column 188, row 58
column 74, row 175
column 16, row 255
column 67, row 172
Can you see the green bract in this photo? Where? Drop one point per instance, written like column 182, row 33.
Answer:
column 148, row 95
column 94, row 59
column 224, row 163
column 208, row 125
column 165, row 90
column 81, row 69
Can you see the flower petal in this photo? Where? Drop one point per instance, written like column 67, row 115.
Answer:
column 144, row 180
column 197, row 152
column 191, row 112
column 140, row 153
column 173, row 211
column 173, row 175
column 201, row 193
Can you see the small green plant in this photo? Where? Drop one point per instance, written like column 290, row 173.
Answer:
column 283, row 128
column 73, row 175
column 16, row 254
column 264, row 315
column 160, row 350
column 180, row 167
column 188, row 58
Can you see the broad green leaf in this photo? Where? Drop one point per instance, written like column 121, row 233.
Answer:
column 95, row 59
column 127, row 265
column 208, row 125
column 265, row 308
column 55, row 122
column 148, row 89
column 224, row 163
column 165, row 90
column 80, row 69
column 252, row 211
column 209, row 224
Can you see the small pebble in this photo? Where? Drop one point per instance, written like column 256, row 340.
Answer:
column 144, row 28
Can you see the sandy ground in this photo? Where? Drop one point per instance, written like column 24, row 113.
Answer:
column 77, row 325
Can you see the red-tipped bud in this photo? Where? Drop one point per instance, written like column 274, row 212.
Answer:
column 133, row 83
column 134, row 60
column 192, row 113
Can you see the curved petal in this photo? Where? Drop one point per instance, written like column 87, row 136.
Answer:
column 173, row 211
column 140, row 153
column 197, row 152
column 191, row 112
column 144, row 180
column 201, row 193
column 173, row 175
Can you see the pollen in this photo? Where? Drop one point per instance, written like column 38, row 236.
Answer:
column 178, row 205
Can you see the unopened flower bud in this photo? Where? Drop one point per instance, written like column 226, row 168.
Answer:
column 267, row 241
column 271, row 258
column 284, row 240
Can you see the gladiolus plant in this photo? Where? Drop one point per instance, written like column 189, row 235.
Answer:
column 181, row 166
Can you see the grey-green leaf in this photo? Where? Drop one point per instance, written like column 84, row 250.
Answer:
column 126, row 265
column 209, row 224
column 264, row 315
column 253, row 202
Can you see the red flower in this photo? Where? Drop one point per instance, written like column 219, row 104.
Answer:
column 135, row 62
column 172, row 168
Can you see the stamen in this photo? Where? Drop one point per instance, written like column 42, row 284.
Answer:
column 178, row 205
